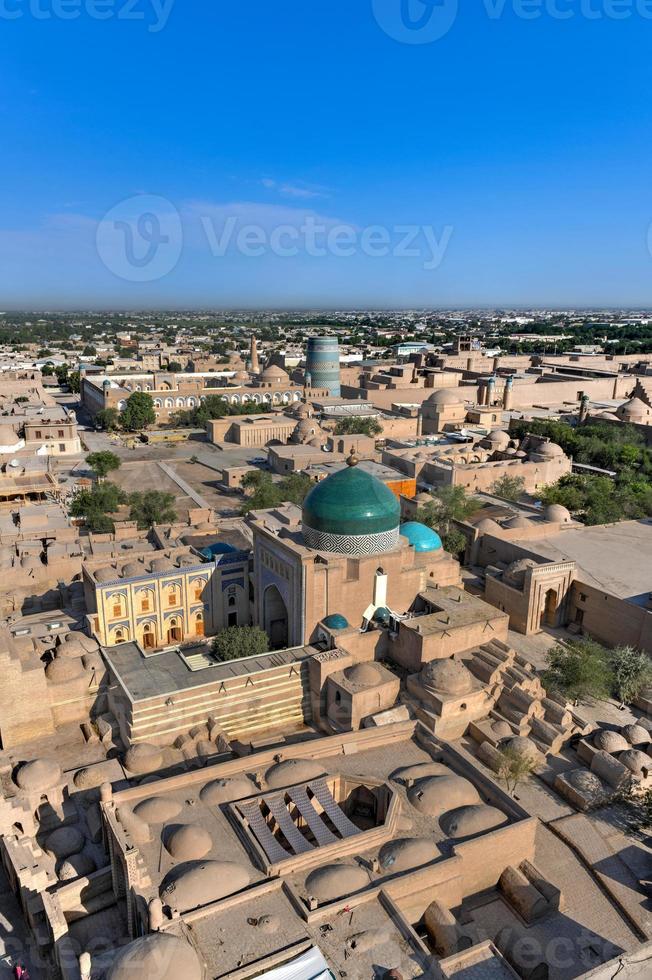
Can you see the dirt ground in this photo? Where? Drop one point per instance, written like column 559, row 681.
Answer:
column 145, row 475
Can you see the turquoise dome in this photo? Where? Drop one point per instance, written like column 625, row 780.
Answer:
column 421, row 537
column 336, row 622
column 382, row 615
column 352, row 513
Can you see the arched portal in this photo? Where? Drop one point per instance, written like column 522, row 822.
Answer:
column 199, row 624
column 175, row 634
column 149, row 636
column 275, row 618
column 549, row 611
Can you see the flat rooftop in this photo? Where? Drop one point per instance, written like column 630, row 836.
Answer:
column 144, row 677
column 613, row 557
column 381, row 472
column 454, row 608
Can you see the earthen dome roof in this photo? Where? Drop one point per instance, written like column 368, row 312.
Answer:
column 157, row 956
column 224, row 790
column 39, row 775
column 293, row 771
column 143, row 758
column 157, row 809
column 557, row 514
column 189, row 843
column 636, row 761
column 447, row 676
column 467, row 821
column 406, row 853
column 198, row 883
column 336, row 880
column 445, row 396
column 435, row 795
column 635, row 734
column 584, row 781
column 610, row 741
column 365, row 675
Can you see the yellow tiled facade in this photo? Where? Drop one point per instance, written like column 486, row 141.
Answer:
column 167, row 600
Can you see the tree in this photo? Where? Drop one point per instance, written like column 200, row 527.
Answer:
column 61, row 371
column 266, row 494
column 103, row 463
column 94, row 505
column 295, row 488
column 580, row 670
column 174, row 367
column 448, row 504
column 509, row 487
column 632, row 673
column 151, row 507
column 358, row 427
column 138, row 412
column 237, row 642
column 107, row 419
column 515, row 766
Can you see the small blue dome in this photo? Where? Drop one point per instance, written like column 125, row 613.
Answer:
column 421, row 537
column 336, row 622
column 381, row 615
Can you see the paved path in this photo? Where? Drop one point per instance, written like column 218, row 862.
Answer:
column 582, row 835
column 187, row 489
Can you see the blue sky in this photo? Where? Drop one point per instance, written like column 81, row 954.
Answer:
column 510, row 159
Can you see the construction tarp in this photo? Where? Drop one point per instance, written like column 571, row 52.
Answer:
column 309, row 966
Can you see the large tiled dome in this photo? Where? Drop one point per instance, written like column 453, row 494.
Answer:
column 351, row 513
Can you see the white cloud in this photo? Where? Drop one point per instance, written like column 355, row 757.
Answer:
column 298, row 189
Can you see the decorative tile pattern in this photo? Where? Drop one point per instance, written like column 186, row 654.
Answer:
column 351, row 544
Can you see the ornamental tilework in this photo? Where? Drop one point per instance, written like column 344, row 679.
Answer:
column 358, row 545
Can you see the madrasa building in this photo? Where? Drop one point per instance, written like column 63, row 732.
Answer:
column 342, row 561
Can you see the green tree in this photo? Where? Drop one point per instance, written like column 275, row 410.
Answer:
column 102, row 463
column 449, row 504
column 579, row 670
column 593, row 498
column 61, row 372
column 632, row 673
column 107, row 419
column 515, row 766
column 151, row 507
column 358, row 427
column 509, row 487
column 265, row 493
column 138, row 412
column 295, row 488
column 237, row 642
column 96, row 504
column 174, row 367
